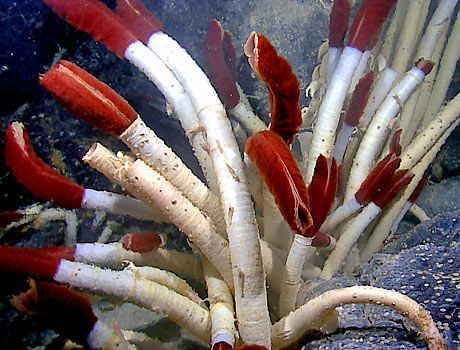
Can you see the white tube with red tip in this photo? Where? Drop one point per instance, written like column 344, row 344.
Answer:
column 377, row 131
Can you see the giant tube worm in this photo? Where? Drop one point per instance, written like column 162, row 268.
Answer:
column 366, row 25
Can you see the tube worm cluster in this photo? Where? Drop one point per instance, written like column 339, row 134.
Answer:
column 302, row 210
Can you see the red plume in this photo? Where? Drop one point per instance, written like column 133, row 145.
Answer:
column 322, row 189
column 280, row 171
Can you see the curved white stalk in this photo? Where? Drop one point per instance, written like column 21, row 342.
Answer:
column 415, row 107
column 167, row 279
column 301, row 249
column 316, row 89
column 332, row 60
column 153, row 189
column 274, row 261
column 435, row 28
column 329, row 112
column 380, row 90
column 103, row 337
column 255, row 182
column 341, row 143
column 415, row 210
column 393, row 30
column 348, row 239
column 360, row 70
column 340, row 214
column 243, row 112
column 318, row 311
column 120, row 204
column 419, row 213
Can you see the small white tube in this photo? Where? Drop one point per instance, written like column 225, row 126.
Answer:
column 120, row 204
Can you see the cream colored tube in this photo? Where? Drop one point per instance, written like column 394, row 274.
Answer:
column 255, row 183
column 379, row 91
column 433, row 32
column 150, row 187
column 248, row 273
column 340, row 214
column 114, row 255
column 385, row 224
column 444, row 77
column 273, row 264
column 243, row 112
column 276, row 230
column 300, row 250
column 146, row 145
column 167, row 279
column 153, row 189
column 104, row 337
column 419, row 213
column 348, row 239
column 166, row 81
column 377, row 131
column 431, row 134
column 221, row 307
column 435, row 28
column 325, row 128
column 128, row 287
column 415, row 107
column 391, row 35
column 408, row 36
column 292, row 327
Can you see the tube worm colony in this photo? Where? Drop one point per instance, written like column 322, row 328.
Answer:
column 354, row 173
